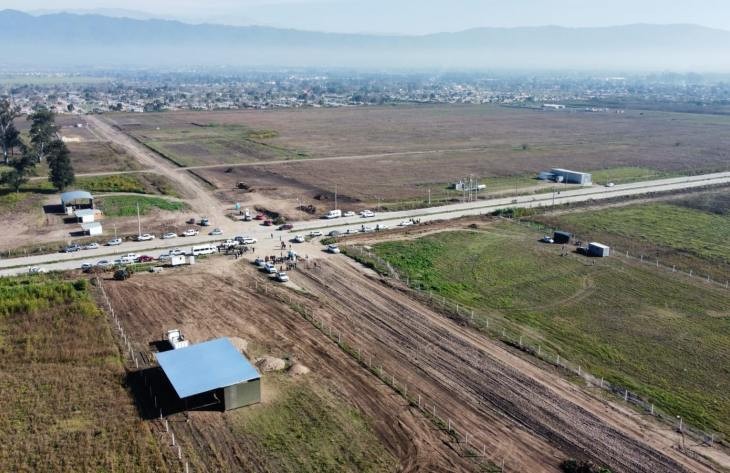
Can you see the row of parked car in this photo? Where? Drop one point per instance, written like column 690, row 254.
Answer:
column 143, row 237
column 270, row 268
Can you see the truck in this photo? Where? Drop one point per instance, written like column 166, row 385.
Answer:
column 176, row 339
column 333, row 214
column 247, row 215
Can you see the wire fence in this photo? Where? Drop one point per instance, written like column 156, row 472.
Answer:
column 498, row 327
column 134, row 362
column 649, row 261
column 466, row 443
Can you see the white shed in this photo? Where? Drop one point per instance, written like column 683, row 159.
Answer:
column 85, row 215
column 92, row 229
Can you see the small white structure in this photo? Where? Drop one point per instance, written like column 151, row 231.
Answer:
column 553, row 106
column 178, row 260
column 466, row 186
column 598, row 249
column 334, row 214
column 176, row 339
column 85, row 215
column 92, row 229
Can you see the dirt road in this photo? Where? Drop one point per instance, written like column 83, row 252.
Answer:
column 195, row 193
column 527, row 417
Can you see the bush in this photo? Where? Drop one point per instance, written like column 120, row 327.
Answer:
column 582, row 466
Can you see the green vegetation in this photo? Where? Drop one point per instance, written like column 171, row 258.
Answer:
column 306, row 429
column 63, row 402
column 142, row 183
column 126, row 205
column 656, row 333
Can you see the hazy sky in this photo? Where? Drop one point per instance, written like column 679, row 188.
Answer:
column 411, row 16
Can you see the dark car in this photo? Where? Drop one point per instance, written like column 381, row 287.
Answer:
column 268, row 223
column 71, row 249
column 145, row 259
column 286, row 226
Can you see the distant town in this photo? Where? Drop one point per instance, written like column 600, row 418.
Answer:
column 142, row 91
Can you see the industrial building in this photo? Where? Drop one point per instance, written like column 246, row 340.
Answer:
column 598, row 250
column 215, row 367
column 567, row 176
column 77, row 200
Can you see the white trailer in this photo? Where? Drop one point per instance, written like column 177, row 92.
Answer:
column 176, row 339
column 178, row 260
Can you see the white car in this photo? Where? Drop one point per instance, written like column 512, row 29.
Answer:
column 282, row 277
column 175, row 252
column 405, row 223
column 315, row 233
column 367, row 213
column 245, row 240
column 610, row 184
column 145, row 237
column 190, row 232
column 349, row 213
column 91, row 246
column 169, row 235
column 547, row 239
column 131, row 256
column 104, row 264
column 127, row 260
column 334, row 249
column 216, row 232
column 299, row 239
column 37, row 270
column 114, row 242
column 381, row 226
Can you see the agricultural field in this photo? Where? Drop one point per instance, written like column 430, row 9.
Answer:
column 126, row 205
column 689, row 232
column 391, row 154
column 659, row 334
column 332, row 418
column 63, row 403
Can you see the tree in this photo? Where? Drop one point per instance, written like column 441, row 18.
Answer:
column 21, row 167
column 8, row 133
column 42, row 132
column 60, row 171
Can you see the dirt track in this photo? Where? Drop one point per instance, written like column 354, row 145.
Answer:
column 528, row 417
column 209, row 301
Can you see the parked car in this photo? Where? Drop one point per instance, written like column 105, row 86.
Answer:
column 282, row 276
column 86, row 266
column 114, row 242
column 71, row 249
column 190, row 221
column 204, row 222
column 37, row 270
column 610, row 184
column 405, row 223
column 168, row 235
column 286, row 226
column 127, row 260
column 367, row 213
column 260, row 217
column 245, row 240
column 91, row 246
column 315, row 233
column 164, row 257
column 190, row 232
column 268, row 223
column 216, row 232
column 259, row 262
column 144, row 259
column 334, row 233
column 547, row 239
column 145, row 237
column 105, row 264
column 299, row 239
column 349, row 213
column 333, row 249
column 175, row 252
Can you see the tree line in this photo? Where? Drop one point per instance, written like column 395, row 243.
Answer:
column 44, row 144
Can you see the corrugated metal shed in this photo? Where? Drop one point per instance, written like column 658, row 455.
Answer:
column 73, row 196
column 205, row 367
column 93, row 228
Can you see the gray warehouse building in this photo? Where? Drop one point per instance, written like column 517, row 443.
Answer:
column 567, row 176
column 215, row 367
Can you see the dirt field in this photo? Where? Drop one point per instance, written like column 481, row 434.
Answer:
column 528, row 418
column 214, row 300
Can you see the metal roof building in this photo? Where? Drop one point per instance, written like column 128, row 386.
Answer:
column 215, row 365
column 77, row 199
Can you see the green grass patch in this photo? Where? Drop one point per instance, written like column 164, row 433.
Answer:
column 657, row 334
column 142, row 183
column 306, row 429
column 63, row 405
column 126, row 205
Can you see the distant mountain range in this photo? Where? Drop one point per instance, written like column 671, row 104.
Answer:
column 103, row 41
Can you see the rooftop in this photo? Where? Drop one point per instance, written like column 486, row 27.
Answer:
column 205, row 366
column 70, row 196
column 88, row 226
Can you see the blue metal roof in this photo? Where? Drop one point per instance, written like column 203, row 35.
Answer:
column 206, row 366
column 75, row 195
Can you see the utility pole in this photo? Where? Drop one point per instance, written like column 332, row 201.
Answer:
column 429, row 196
column 139, row 222
column 335, row 196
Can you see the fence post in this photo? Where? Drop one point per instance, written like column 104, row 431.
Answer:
column 626, row 395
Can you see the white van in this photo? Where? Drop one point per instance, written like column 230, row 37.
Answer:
column 333, row 214
column 203, row 250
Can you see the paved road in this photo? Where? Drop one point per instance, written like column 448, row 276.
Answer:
column 269, row 238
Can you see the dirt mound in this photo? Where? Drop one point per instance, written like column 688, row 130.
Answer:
column 270, row 363
column 240, row 344
column 298, row 369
